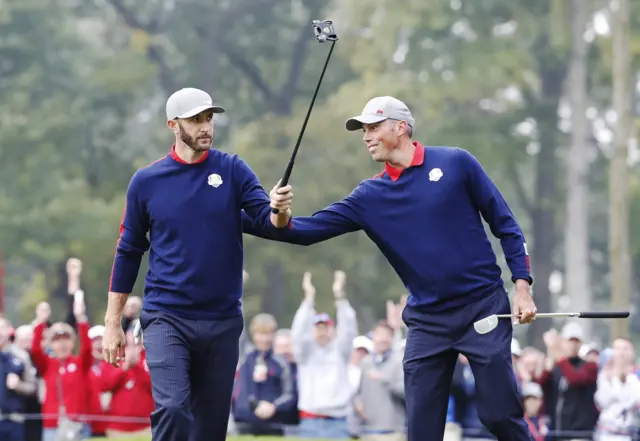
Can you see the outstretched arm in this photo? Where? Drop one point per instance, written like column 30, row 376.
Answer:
column 339, row 218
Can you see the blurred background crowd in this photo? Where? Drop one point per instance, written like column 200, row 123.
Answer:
column 321, row 377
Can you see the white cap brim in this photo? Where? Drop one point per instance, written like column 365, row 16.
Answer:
column 356, row 122
column 199, row 109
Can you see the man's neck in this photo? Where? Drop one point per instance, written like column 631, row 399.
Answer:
column 402, row 156
column 188, row 154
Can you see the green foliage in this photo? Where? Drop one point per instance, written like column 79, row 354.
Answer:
column 82, row 92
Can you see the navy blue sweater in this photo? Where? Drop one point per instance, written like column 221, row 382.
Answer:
column 192, row 214
column 427, row 221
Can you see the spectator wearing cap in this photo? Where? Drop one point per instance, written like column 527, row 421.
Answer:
column 381, row 397
column 618, row 394
column 569, row 385
column 98, row 400
column 590, row 352
column 263, row 391
column 322, row 351
column 129, row 384
column 362, row 346
column 16, row 382
column 65, row 374
column 532, row 403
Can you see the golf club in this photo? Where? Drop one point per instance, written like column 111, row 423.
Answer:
column 324, row 32
column 488, row 324
column 137, row 331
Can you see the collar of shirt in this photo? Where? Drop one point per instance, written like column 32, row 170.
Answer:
column 418, row 159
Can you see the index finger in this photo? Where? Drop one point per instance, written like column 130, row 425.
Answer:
column 285, row 189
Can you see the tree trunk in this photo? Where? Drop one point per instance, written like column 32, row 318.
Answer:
column 552, row 71
column 577, row 251
column 619, row 256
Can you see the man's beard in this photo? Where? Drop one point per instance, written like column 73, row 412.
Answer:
column 192, row 142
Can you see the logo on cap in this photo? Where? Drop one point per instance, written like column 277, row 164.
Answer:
column 380, row 112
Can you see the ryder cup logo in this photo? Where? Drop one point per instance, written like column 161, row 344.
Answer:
column 214, row 180
column 435, row 175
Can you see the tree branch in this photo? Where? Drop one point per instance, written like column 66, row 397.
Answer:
column 298, row 55
column 249, row 68
column 154, row 53
column 525, row 199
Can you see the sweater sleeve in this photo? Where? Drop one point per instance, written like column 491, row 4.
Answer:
column 339, row 218
column 38, row 356
column 495, row 211
column 302, row 331
column 253, row 198
column 347, row 327
column 133, row 242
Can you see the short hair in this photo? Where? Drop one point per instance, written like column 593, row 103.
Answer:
column 264, row 322
column 384, row 324
column 283, row 332
column 628, row 340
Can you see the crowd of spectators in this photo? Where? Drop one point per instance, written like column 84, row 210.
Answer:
column 320, row 378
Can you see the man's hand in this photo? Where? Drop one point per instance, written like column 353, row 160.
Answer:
column 281, row 198
column 523, row 308
column 74, row 269
column 265, row 410
column 308, row 288
column 13, row 381
column 113, row 343
column 43, row 312
column 339, row 281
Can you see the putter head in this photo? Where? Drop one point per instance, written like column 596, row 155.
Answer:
column 486, row 325
column 324, row 30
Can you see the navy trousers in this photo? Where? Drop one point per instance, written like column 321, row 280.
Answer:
column 434, row 341
column 11, row 431
column 192, row 364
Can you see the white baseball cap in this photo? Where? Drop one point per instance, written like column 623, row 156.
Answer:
column 531, row 390
column 96, row 331
column 573, row 331
column 188, row 102
column 363, row 342
column 379, row 109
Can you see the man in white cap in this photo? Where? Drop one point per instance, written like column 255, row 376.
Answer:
column 190, row 203
column 425, row 212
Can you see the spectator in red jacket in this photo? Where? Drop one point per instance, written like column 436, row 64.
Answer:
column 130, row 387
column 98, row 400
column 65, row 375
column 569, row 385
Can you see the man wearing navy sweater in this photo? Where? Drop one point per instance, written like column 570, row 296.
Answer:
column 191, row 204
column 424, row 212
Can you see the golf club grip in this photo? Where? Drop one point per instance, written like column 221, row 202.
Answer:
column 605, row 315
column 284, row 181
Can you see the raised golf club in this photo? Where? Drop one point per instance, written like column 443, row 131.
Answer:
column 488, row 324
column 324, row 32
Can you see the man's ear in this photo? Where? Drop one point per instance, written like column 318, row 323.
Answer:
column 173, row 126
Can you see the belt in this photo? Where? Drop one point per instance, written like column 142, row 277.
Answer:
column 12, row 416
